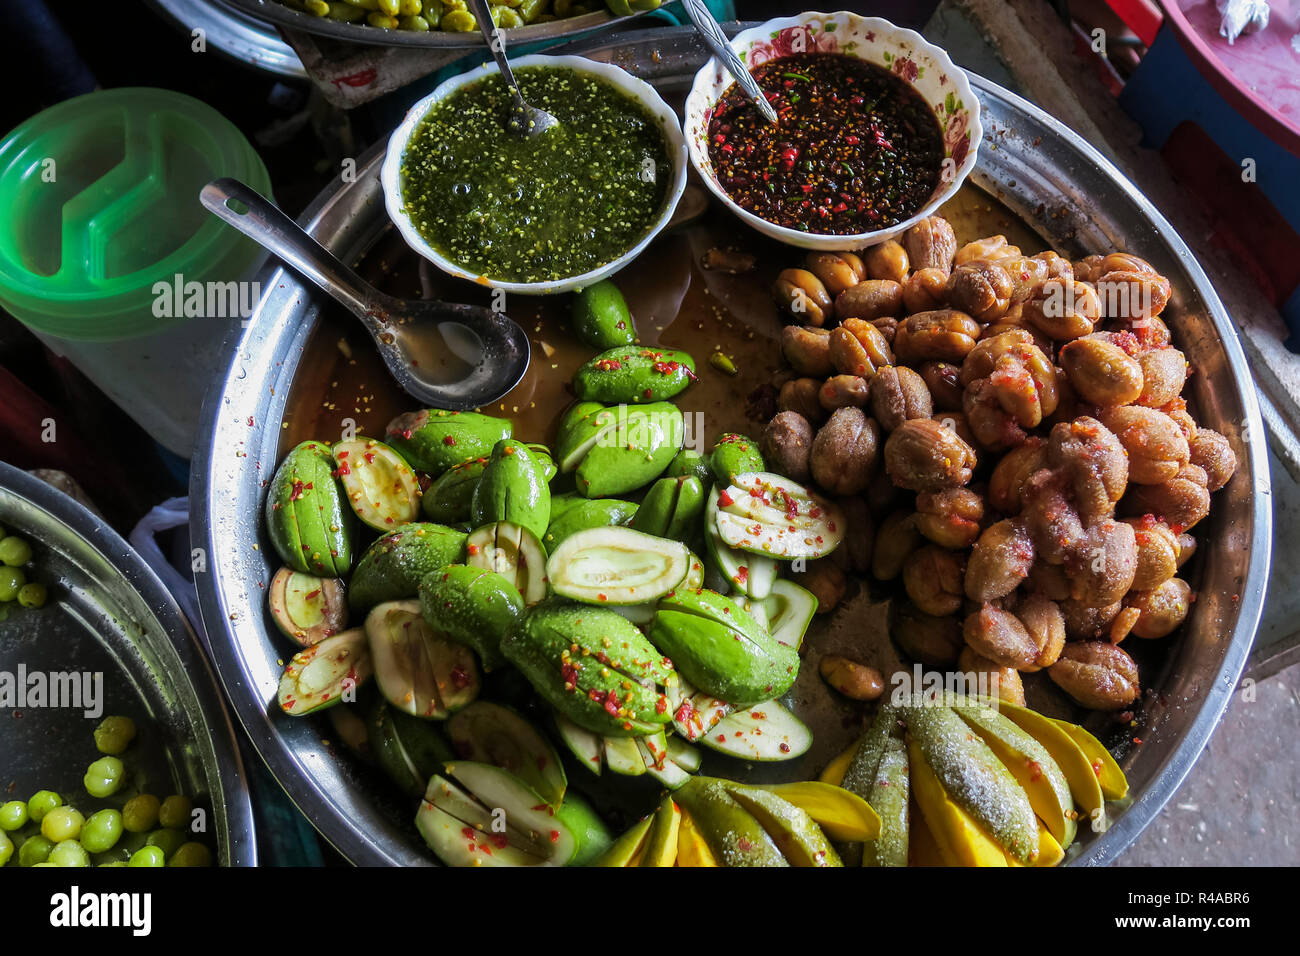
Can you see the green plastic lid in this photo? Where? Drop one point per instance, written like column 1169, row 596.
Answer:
column 99, row 202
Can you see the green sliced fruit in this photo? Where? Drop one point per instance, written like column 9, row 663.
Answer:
column 889, row 798
column 962, row 840
column 622, row 757
column 790, row 611
column 719, row 647
column 529, row 819
column 842, row 815
column 794, row 832
column 601, row 318
column 616, row 566
column 485, row 732
column 614, row 683
column 671, row 508
column 306, row 519
column 418, row 671
column 1031, row 764
column 860, row 775
column 762, row 732
column 544, row 460
column 694, row 712
column 771, row 515
column 513, row 487
column 514, row 553
column 433, row 440
column 460, row 829
column 683, row 754
column 587, row 746
column 973, row 777
column 408, row 749
column 629, row 848
column 379, row 485
column 633, row 374
column 593, row 836
column 1111, row 779
column 735, row 455
column 692, row 848
column 473, row 606
column 732, row 834
column 322, row 675
column 752, row 575
column 617, row 450
column 305, row 608
column 654, row 753
column 661, row 844
column 1069, row 756
column 395, row 564
column 582, row 427
column 690, row 463
column 580, row 514
column 447, row 500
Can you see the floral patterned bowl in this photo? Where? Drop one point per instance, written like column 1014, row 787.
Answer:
column 905, row 53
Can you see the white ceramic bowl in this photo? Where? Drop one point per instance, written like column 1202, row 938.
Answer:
column 637, row 89
column 904, row 52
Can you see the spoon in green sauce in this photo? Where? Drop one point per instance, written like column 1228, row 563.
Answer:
column 445, row 354
column 524, row 120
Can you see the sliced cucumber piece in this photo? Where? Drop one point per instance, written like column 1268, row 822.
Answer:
column 617, row 566
column 764, row 732
column 588, row 747
column 752, row 575
column 419, row 672
column 305, row 608
column 512, row 552
column 322, row 675
column 531, row 824
column 683, row 754
column 379, row 484
column 790, row 610
column 770, row 515
column 459, row 830
column 490, row 733
column 623, row 757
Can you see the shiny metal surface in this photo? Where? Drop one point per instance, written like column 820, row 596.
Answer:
column 1046, row 174
column 233, row 32
column 277, row 13
column 524, row 120
column 720, row 47
column 492, row 351
column 109, row 614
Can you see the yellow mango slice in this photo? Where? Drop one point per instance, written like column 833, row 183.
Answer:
column 1049, row 851
column 1113, row 783
column 922, row 848
column 1068, row 755
column 842, row 815
column 661, row 846
column 835, row 770
column 629, row 847
column 961, row 841
column 692, row 848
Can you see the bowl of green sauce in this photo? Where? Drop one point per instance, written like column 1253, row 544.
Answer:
column 543, row 214
column 876, row 129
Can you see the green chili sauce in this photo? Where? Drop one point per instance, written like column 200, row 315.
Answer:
column 541, row 208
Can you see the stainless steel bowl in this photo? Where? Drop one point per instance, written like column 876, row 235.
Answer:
column 109, row 613
column 1048, row 175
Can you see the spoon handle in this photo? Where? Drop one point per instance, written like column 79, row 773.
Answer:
column 265, row 224
column 496, row 44
column 720, row 47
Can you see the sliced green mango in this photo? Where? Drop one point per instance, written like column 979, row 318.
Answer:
column 579, row 514
column 601, row 318
column 434, row 440
column 447, row 500
column 629, row 847
column 322, row 675
column 888, row 796
column 593, row 836
column 790, row 611
column 418, row 671
column 661, row 845
column 381, row 488
column 616, row 565
column 763, row 732
column 491, row 733
column 752, row 575
column 771, row 515
column 587, row 746
column 735, row 455
column 474, row 606
column 408, row 749
column 306, row 519
column 671, row 508
column 794, row 832
column 634, row 452
column 622, row 757
column 513, row 552
column 633, row 374
column 305, row 608
column 513, row 487
column 733, row 836
column 1113, row 783
column 842, row 815
column 394, row 565
column 689, row 463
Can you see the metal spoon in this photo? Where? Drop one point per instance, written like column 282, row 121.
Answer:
column 524, row 120
column 492, row 348
column 719, row 46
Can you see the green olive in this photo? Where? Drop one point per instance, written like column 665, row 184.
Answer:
column 62, row 823
column 101, row 831
column 35, row 849
column 13, row 815
column 140, row 814
column 191, row 854
column 32, row 594
column 148, row 856
column 104, row 777
column 168, row 840
column 69, row 853
column 41, row 803
column 12, row 581
column 114, row 735
column 14, row 551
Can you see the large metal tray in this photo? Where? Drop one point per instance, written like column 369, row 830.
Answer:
column 1045, row 174
column 109, row 614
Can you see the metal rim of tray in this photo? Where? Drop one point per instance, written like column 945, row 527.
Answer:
column 287, row 18
column 235, row 33
column 348, row 218
column 213, row 730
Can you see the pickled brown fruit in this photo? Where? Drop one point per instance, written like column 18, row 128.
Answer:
column 1063, row 309
column 1162, row 609
column 1048, row 580
column 931, row 244
column 1000, row 561
column 990, row 247
column 896, row 538
column 803, row 297
column 837, row 271
column 1102, row 570
column 1093, row 463
column 854, row 552
column 859, row 348
column 1088, row 269
column 887, row 261
column 1097, row 674
column 852, row 679
column 1132, row 296
column 933, row 577
column 1012, row 471
column 1050, row 516
column 786, row 444
column 1083, row 623
column 1043, row 622
column 808, row 350
column 943, row 379
column 944, row 335
column 898, row 394
column 840, row 391
column 870, row 299
column 1026, row 274
column 802, row 395
column 1158, row 548
column 998, row 636
column 1212, row 452
column 924, row 290
column 1005, row 683
column 923, row 455
column 1164, row 372
column 981, row 288
column 844, row 452
column 1156, row 448
column 950, row 518
column 934, row 641
column 1101, row 371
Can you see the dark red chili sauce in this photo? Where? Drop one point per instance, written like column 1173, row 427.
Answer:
column 856, row 148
